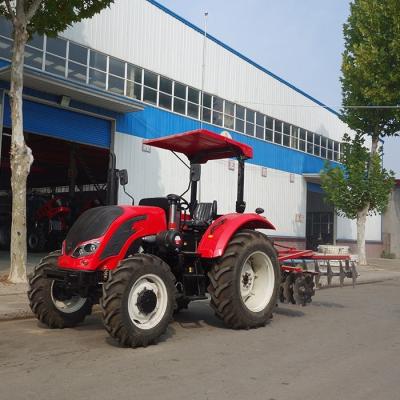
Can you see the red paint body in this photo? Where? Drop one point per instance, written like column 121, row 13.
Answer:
column 154, row 223
column 217, row 236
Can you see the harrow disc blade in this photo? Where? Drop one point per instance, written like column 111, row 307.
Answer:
column 303, row 289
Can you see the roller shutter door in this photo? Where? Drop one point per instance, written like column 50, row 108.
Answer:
column 63, row 124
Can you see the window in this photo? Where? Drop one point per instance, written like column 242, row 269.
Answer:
column 239, row 120
column 116, row 85
column 56, row 49
column 193, row 102
column 5, row 27
column 36, row 41
column 116, row 67
column 286, row 134
column 218, row 107
column 97, row 78
column 98, row 60
column 336, row 154
column 317, row 145
column 179, row 98
column 269, row 129
column 77, row 72
column 97, row 70
column 206, row 114
column 150, row 79
column 260, row 125
column 77, row 53
column 302, row 140
column 34, row 58
column 134, row 82
column 134, row 73
column 323, row 146
column 56, row 46
column 5, row 48
column 165, row 95
column 310, row 142
column 330, row 149
column 229, row 115
column 294, row 137
column 278, row 131
column 250, row 115
column 116, row 75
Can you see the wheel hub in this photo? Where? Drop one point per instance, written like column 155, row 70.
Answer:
column 257, row 281
column 146, row 301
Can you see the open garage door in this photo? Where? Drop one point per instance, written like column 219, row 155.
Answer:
column 70, row 172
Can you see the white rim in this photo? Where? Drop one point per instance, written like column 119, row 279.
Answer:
column 75, row 303
column 257, row 281
column 148, row 283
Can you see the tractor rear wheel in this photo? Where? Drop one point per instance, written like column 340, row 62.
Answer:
column 138, row 300
column 51, row 302
column 245, row 281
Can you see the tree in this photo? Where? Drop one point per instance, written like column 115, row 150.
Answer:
column 29, row 17
column 371, row 69
column 359, row 187
column 371, row 77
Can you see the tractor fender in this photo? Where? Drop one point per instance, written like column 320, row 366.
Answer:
column 219, row 233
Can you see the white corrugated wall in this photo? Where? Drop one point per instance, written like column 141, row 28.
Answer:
column 139, row 32
column 159, row 173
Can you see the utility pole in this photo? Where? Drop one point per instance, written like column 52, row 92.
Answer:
column 203, row 69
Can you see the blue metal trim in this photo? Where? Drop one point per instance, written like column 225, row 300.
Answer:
column 60, row 123
column 153, row 122
column 55, row 99
column 240, row 55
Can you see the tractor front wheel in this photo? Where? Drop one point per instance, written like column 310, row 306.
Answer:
column 138, row 300
column 51, row 302
column 245, row 281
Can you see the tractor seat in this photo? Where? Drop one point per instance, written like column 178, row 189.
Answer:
column 161, row 202
column 203, row 215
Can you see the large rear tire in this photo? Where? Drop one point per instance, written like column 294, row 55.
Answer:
column 138, row 300
column 245, row 281
column 50, row 302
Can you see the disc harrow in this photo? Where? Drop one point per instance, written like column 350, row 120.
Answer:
column 302, row 270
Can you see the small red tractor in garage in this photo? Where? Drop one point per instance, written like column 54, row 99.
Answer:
column 142, row 263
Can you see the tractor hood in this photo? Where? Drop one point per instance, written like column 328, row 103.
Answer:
column 101, row 236
column 91, row 224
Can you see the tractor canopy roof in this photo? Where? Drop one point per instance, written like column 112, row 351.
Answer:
column 202, row 145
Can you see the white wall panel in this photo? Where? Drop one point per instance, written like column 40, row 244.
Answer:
column 347, row 229
column 141, row 33
column 159, row 173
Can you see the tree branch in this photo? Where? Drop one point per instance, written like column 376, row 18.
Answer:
column 10, row 10
column 32, row 10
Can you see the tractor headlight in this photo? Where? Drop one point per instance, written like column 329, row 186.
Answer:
column 85, row 249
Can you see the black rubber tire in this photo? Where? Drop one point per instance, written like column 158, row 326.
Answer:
column 224, row 285
column 36, row 240
column 40, row 299
column 114, row 302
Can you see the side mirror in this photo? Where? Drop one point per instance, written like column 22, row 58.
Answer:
column 195, row 172
column 123, row 177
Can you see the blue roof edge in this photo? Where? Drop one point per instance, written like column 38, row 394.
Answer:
column 240, row 55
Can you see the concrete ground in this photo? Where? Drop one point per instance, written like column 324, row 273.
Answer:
column 345, row 345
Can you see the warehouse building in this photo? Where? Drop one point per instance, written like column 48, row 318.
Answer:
column 134, row 72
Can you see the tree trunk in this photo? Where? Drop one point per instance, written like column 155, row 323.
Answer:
column 21, row 159
column 361, row 220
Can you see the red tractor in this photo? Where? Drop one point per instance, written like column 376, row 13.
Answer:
column 142, row 263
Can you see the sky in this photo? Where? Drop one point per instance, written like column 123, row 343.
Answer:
column 300, row 41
